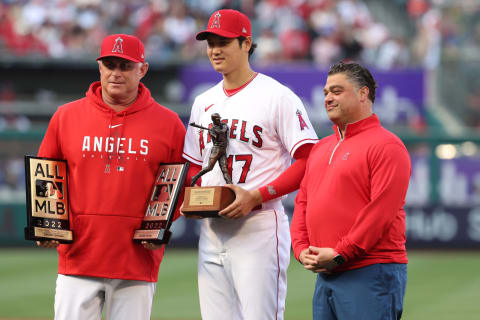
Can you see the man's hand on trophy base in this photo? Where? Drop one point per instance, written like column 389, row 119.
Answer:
column 150, row 245
column 190, row 216
column 48, row 243
column 245, row 201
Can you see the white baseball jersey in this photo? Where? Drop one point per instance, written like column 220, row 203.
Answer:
column 267, row 123
column 242, row 263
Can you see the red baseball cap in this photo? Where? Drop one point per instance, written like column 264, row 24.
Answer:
column 123, row 46
column 227, row 23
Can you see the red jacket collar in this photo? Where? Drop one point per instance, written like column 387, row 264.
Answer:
column 352, row 129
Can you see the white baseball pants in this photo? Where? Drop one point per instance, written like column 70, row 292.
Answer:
column 83, row 298
column 242, row 267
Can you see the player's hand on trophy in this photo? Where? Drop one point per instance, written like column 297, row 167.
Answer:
column 48, row 243
column 245, row 201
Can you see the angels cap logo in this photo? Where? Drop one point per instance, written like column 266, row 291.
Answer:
column 118, row 45
column 233, row 24
column 124, row 46
column 216, row 21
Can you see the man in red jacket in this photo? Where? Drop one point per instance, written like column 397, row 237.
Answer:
column 113, row 140
column 349, row 224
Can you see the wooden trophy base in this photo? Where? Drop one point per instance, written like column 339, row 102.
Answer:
column 206, row 201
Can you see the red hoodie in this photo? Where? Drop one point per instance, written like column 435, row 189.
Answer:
column 352, row 195
column 112, row 160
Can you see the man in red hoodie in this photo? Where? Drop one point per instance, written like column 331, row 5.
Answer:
column 349, row 224
column 114, row 140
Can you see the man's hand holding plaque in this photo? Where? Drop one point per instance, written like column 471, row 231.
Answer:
column 209, row 200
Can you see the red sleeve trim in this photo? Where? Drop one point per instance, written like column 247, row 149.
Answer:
column 192, row 159
column 303, row 151
column 301, row 142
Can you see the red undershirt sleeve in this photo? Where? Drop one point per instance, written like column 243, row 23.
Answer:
column 290, row 179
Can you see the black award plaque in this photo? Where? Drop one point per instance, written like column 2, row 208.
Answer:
column 162, row 204
column 47, row 200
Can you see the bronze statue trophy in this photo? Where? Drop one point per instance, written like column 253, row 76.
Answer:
column 208, row 201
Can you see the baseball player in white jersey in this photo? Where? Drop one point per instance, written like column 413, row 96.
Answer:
column 244, row 255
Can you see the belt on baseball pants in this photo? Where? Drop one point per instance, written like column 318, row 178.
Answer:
column 268, row 205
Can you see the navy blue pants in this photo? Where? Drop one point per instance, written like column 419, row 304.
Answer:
column 368, row 293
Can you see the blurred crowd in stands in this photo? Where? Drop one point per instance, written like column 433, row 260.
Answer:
column 322, row 31
column 381, row 34
column 12, row 179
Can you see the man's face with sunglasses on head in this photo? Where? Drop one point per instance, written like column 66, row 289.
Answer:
column 120, row 78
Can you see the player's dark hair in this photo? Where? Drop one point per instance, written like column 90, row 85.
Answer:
column 358, row 74
column 252, row 48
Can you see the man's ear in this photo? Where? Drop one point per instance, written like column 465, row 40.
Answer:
column 144, row 69
column 248, row 43
column 364, row 92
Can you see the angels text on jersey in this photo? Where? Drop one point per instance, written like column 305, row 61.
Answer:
column 237, row 130
column 116, row 148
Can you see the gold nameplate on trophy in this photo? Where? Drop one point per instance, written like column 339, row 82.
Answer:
column 162, row 203
column 206, row 201
column 201, row 196
column 47, row 200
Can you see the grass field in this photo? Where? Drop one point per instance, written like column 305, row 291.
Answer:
column 441, row 286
